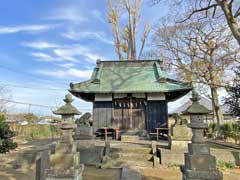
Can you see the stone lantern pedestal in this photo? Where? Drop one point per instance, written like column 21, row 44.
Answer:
column 199, row 163
column 180, row 134
column 65, row 161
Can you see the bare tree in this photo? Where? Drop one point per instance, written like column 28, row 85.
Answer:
column 229, row 9
column 4, row 97
column 202, row 52
column 125, row 33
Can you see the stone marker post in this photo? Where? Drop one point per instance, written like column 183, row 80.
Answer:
column 199, row 163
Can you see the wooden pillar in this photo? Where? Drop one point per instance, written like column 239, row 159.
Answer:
column 105, row 133
column 157, row 134
column 131, row 118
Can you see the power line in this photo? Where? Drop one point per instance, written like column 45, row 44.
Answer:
column 32, row 87
column 25, row 103
column 27, row 74
column 36, row 105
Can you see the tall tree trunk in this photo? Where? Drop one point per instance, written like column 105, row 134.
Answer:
column 216, row 108
column 134, row 30
column 231, row 20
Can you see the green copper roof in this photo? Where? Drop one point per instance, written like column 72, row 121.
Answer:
column 128, row 77
column 68, row 108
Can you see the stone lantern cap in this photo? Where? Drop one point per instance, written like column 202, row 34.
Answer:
column 196, row 107
column 68, row 108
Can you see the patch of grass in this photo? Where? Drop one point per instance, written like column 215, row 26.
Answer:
column 37, row 131
column 225, row 165
column 173, row 165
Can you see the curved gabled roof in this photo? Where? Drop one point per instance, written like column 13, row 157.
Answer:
column 129, row 77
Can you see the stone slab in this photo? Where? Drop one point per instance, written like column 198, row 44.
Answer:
column 179, row 144
column 68, row 174
column 203, row 162
column 177, row 156
column 66, row 178
column 85, row 144
column 198, row 148
column 201, row 175
column 91, row 156
column 181, row 132
column 130, row 174
column 129, row 138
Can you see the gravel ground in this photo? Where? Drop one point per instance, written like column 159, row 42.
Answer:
column 175, row 174
column 7, row 172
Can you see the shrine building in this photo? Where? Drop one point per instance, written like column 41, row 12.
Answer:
column 130, row 95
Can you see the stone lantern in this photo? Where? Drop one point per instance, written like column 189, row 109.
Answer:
column 199, row 163
column 67, row 113
column 65, row 160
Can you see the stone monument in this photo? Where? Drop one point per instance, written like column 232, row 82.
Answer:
column 65, row 161
column 84, row 128
column 180, row 134
column 199, row 163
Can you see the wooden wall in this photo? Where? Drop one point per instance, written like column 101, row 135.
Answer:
column 157, row 115
column 102, row 114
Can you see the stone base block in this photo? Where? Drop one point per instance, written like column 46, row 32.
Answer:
column 179, row 144
column 85, row 144
column 202, row 162
column 65, row 148
column 156, row 163
column 65, row 178
column 201, row 175
column 198, row 148
column 71, row 174
column 129, row 138
column 82, row 137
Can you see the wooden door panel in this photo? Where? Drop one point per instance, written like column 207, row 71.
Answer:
column 138, row 119
column 122, row 117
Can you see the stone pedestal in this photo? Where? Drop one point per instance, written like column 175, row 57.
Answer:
column 180, row 137
column 129, row 138
column 65, row 162
column 83, row 132
column 199, row 163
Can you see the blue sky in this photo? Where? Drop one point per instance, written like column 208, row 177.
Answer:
column 47, row 44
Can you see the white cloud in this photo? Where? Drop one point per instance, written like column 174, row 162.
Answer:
column 67, row 65
column 57, row 52
column 71, row 53
column 71, row 72
column 98, row 15
column 25, row 28
column 40, row 45
column 43, row 56
column 101, row 36
column 68, row 14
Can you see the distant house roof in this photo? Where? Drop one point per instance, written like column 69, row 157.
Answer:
column 196, row 107
column 203, row 101
column 142, row 76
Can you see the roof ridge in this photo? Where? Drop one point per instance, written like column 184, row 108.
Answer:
column 121, row 61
